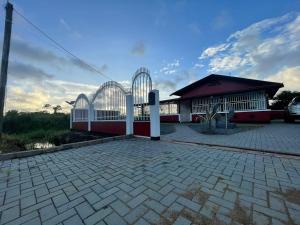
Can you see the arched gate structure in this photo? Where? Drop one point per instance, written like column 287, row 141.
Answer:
column 141, row 86
column 113, row 110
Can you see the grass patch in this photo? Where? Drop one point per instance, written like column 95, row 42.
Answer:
column 40, row 139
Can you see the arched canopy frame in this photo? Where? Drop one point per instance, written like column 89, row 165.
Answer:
column 109, row 102
column 81, row 108
column 141, row 86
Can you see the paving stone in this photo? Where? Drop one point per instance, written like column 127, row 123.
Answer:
column 166, row 189
column 23, row 219
column 70, row 205
column 109, row 192
column 120, row 208
column 61, row 217
column 104, row 202
column 270, row 212
column 169, row 199
column 35, row 221
column 276, row 203
column 260, row 193
column 182, row 221
column 28, row 201
column 125, row 187
column 137, row 200
column 114, row 219
column 142, row 222
column 73, row 220
column 60, row 200
column 92, row 197
column 208, row 209
column 222, row 202
column 135, row 214
column 10, row 214
column 153, row 194
column 98, row 216
column 230, row 196
column 152, row 217
column 47, row 212
column 259, row 218
column 84, row 210
column 138, row 190
column 189, row 204
column 155, row 205
column 123, row 196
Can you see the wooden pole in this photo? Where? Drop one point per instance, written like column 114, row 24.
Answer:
column 4, row 62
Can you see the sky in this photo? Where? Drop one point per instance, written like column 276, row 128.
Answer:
column 178, row 41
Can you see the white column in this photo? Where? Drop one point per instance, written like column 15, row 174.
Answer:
column 90, row 116
column 129, row 114
column 155, row 118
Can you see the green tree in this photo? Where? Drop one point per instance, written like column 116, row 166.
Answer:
column 283, row 99
column 56, row 109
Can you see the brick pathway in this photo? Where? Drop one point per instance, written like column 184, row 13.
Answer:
column 277, row 137
column 139, row 181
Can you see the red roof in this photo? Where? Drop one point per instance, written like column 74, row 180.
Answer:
column 215, row 84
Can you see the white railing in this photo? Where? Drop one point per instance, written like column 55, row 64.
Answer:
column 250, row 101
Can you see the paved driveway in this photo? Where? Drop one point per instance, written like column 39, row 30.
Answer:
column 138, row 181
column 277, row 137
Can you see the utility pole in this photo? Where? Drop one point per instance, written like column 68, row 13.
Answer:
column 4, row 62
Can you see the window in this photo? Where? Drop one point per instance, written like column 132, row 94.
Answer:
column 239, row 102
column 168, row 108
column 81, row 115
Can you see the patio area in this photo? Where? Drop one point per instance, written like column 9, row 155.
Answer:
column 138, row 181
column 276, row 137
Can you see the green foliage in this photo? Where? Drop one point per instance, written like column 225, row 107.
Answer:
column 38, row 136
column 34, row 122
column 283, row 99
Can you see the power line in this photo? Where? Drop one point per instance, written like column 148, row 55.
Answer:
column 60, row 46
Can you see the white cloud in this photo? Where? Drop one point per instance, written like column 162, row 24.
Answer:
column 211, row 51
column 198, row 65
column 263, row 49
column 28, row 95
column 227, row 63
column 290, row 77
column 170, row 68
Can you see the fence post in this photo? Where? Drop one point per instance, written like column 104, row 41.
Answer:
column 154, row 116
column 129, row 114
column 90, row 116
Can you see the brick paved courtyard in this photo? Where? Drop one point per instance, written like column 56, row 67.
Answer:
column 138, row 181
column 277, row 137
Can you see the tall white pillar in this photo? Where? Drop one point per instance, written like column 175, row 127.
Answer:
column 90, row 116
column 154, row 115
column 129, row 114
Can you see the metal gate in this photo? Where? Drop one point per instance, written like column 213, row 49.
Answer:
column 79, row 116
column 141, row 86
column 109, row 109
